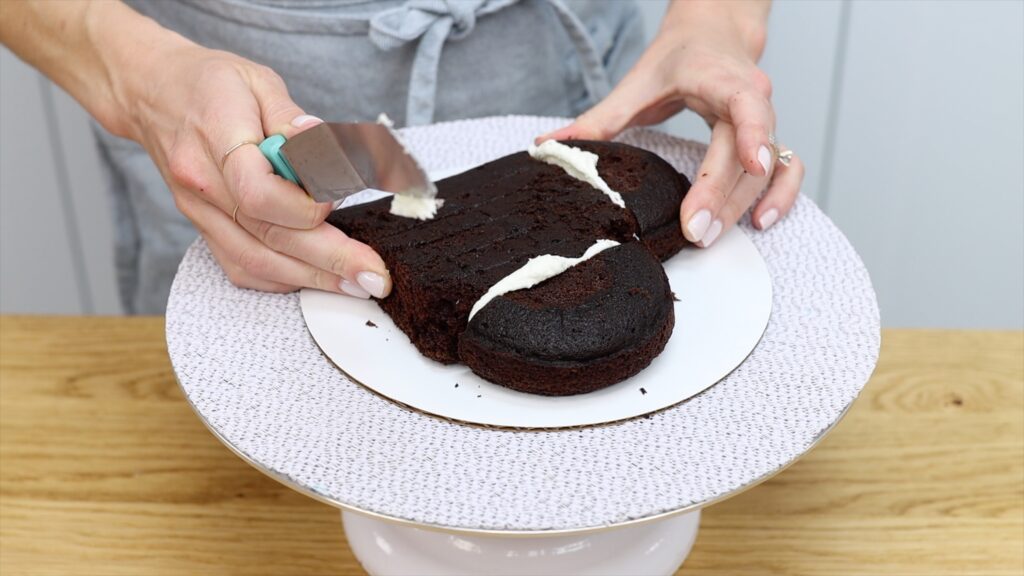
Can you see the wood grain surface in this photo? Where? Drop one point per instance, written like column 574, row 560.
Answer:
column 104, row 470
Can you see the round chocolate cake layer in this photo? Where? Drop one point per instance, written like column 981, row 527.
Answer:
column 594, row 325
column 650, row 187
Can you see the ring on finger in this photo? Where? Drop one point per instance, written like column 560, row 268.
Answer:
column 783, row 155
column 234, row 214
column 224, row 157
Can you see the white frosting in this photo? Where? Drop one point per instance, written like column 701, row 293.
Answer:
column 579, row 164
column 537, row 270
column 415, row 206
column 420, row 208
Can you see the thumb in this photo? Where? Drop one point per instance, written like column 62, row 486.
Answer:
column 610, row 116
column 279, row 114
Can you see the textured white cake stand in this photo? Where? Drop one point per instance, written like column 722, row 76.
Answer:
column 427, row 495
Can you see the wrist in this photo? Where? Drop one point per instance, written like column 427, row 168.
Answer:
column 741, row 24
column 129, row 54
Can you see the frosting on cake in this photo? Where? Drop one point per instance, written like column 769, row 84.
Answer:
column 537, row 270
column 579, row 164
column 418, row 207
column 415, row 207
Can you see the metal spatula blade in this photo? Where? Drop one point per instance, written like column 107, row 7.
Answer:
column 332, row 161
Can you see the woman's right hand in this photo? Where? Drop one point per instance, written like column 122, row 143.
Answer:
column 265, row 231
column 188, row 106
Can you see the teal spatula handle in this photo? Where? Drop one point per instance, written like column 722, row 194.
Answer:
column 271, row 148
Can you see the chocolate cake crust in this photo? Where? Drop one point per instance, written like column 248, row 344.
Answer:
column 594, row 325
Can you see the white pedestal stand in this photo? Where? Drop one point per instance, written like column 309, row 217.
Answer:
column 655, row 547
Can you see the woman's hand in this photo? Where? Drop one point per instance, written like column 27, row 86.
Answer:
column 189, row 106
column 704, row 58
column 265, row 231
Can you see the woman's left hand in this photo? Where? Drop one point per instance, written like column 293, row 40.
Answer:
column 704, row 59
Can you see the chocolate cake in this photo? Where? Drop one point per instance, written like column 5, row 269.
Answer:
column 596, row 324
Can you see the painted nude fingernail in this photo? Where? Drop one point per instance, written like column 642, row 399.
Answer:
column 372, row 282
column 353, row 289
column 713, row 232
column 764, row 156
column 698, row 225
column 768, row 218
column 306, row 120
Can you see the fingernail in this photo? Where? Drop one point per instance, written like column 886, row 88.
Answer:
column 305, row 120
column 768, row 218
column 372, row 283
column 713, row 232
column 698, row 225
column 764, row 156
column 353, row 289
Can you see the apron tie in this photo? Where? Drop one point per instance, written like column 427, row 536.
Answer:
column 435, row 21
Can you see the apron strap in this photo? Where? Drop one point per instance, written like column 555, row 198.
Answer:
column 595, row 77
column 433, row 22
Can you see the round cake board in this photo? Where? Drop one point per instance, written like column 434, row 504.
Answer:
column 257, row 379
column 723, row 304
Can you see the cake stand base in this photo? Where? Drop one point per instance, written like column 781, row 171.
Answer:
column 656, row 547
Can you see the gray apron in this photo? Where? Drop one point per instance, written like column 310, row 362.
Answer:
column 418, row 61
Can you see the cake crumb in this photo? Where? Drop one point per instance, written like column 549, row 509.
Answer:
column 642, row 391
column 371, row 324
column 675, row 298
column 637, row 291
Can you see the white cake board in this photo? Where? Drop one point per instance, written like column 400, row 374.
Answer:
column 253, row 374
column 724, row 303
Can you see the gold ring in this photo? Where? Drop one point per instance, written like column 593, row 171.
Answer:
column 224, row 158
column 234, row 214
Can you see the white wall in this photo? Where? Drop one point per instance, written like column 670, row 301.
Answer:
column 910, row 116
column 926, row 175
column 56, row 253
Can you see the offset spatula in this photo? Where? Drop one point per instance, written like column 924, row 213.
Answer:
column 332, row 161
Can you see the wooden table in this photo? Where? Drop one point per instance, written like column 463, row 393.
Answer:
column 105, row 470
